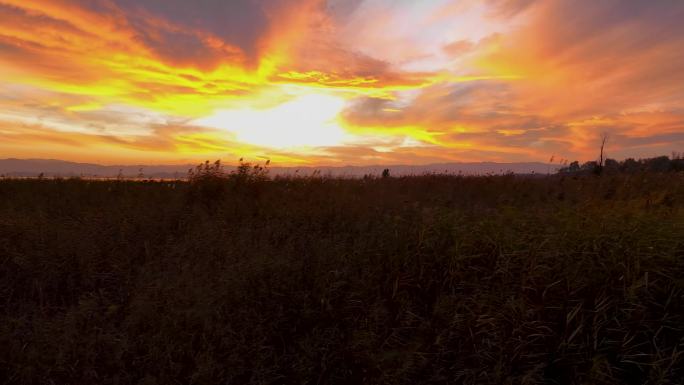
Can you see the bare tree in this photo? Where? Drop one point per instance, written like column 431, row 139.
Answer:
column 604, row 138
column 599, row 167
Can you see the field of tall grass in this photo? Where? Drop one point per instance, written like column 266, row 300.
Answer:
column 413, row 280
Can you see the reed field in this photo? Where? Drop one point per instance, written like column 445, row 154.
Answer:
column 435, row 279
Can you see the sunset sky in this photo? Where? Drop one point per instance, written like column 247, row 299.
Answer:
column 329, row 82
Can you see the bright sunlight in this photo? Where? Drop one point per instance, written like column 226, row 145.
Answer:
column 311, row 122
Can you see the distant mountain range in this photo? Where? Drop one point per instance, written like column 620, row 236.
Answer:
column 60, row 168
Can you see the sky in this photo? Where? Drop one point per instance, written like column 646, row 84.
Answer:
column 340, row 82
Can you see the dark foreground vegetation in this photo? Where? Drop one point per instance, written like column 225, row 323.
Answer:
column 660, row 164
column 416, row 280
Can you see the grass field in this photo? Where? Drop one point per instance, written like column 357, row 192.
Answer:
column 415, row 280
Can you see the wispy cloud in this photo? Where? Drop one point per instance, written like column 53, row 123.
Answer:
column 425, row 81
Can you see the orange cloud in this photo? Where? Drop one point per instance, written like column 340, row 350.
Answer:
column 416, row 82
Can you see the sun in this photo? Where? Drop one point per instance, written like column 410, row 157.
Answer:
column 304, row 122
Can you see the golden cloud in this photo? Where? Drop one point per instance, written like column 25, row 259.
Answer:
column 520, row 81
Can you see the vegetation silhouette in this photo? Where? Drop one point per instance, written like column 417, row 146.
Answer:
column 238, row 278
column 660, row 164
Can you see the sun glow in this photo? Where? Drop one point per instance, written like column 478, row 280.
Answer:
column 334, row 81
column 306, row 121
